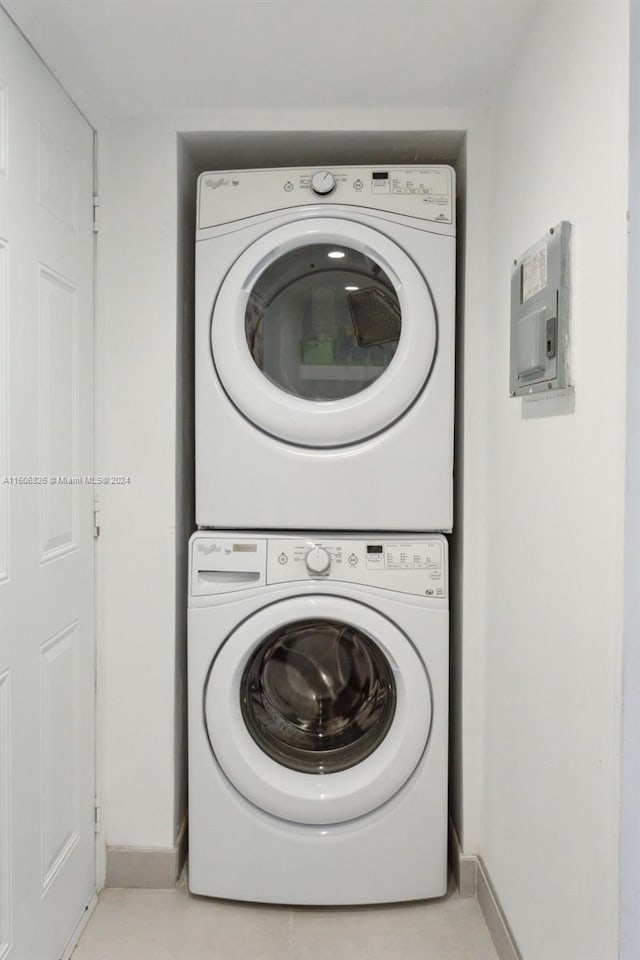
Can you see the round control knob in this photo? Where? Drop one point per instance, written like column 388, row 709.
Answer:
column 318, row 560
column 323, row 183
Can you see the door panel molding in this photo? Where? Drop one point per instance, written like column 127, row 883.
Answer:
column 59, row 777
column 59, row 413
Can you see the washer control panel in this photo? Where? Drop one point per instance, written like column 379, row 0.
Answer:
column 416, row 566
column 425, row 192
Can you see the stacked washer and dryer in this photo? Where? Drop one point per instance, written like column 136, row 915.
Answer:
column 318, row 577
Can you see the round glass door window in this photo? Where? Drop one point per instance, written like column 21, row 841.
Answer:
column 323, row 321
column 318, row 696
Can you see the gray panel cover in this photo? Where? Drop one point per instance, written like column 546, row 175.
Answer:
column 540, row 302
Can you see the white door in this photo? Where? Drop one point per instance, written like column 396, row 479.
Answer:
column 323, row 332
column 47, row 657
column 318, row 709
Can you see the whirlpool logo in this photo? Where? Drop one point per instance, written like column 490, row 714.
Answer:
column 213, row 184
column 207, row 548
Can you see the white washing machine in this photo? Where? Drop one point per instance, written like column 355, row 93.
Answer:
column 318, row 686
column 325, row 305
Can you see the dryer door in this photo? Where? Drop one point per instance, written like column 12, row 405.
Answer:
column 323, row 332
column 318, row 709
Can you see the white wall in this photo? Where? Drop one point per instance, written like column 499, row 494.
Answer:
column 139, row 173
column 555, row 498
column 467, row 542
column 137, row 422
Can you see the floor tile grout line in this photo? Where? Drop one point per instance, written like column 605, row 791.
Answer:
column 291, row 934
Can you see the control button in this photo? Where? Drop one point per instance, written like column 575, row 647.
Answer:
column 353, row 559
column 318, row 560
column 283, row 558
column 323, row 183
column 288, row 186
column 429, row 593
column 358, row 185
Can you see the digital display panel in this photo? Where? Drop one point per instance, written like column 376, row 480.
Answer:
column 379, row 176
column 374, row 548
column 245, row 548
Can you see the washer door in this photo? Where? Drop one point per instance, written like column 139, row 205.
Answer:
column 318, row 709
column 323, row 332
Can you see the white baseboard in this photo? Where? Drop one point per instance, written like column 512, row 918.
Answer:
column 473, row 880
column 156, row 868
column 464, row 865
column 494, row 917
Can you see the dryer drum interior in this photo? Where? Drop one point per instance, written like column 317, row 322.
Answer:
column 318, row 696
column 323, row 321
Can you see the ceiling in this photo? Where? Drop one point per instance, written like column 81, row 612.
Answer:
column 133, row 58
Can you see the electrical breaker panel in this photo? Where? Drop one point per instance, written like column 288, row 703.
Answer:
column 540, row 300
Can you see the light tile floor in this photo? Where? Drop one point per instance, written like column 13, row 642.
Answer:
column 174, row 925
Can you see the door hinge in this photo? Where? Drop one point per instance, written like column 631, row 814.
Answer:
column 96, row 214
column 96, row 518
column 98, row 815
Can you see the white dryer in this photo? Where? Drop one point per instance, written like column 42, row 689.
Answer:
column 325, row 306
column 318, row 690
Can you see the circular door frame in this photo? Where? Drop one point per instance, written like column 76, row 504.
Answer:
column 324, row 423
column 310, row 798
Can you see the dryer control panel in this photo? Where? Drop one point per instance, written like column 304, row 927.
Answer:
column 425, row 192
column 412, row 565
